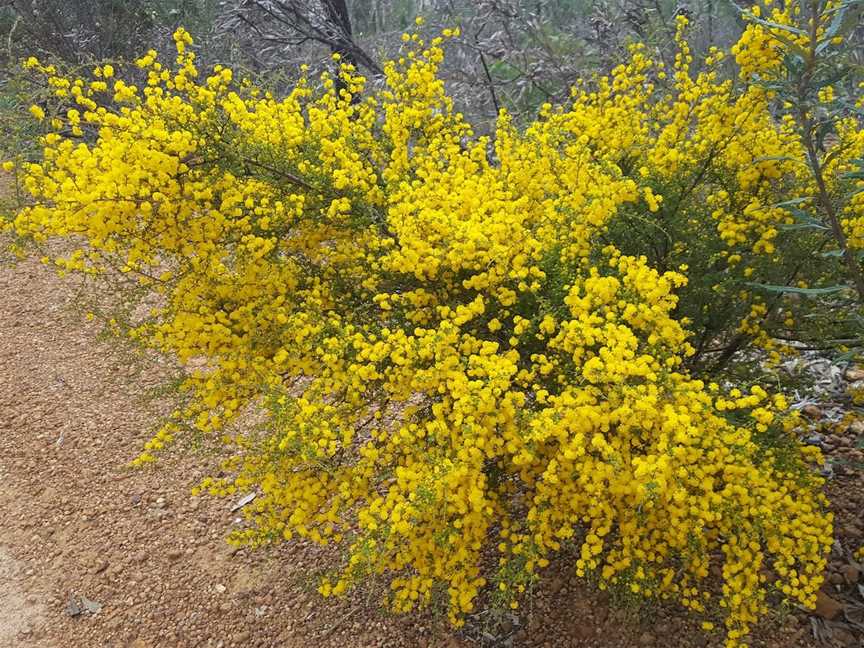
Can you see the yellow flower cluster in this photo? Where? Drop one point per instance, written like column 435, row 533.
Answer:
column 453, row 357
column 759, row 51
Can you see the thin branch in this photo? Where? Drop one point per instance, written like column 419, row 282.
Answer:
column 490, row 82
column 279, row 172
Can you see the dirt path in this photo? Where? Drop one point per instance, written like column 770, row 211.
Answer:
column 20, row 612
column 78, row 529
column 93, row 554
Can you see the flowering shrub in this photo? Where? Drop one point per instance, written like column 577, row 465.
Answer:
column 466, row 348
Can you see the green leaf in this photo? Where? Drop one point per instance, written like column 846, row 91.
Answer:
column 833, row 28
column 856, row 175
column 794, row 201
column 777, row 158
column 803, row 226
column 839, row 254
column 773, row 25
column 851, row 17
column 803, row 220
column 773, row 288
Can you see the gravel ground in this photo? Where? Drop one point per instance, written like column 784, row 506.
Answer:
column 94, row 554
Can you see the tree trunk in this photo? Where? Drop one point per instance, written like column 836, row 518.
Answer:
column 343, row 43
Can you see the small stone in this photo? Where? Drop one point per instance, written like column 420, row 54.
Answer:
column 856, row 426
column 93, row 607
column 835, row 578
column 161, row 503
column 73, row 609
column 220, row 588
column 812, row 411
column 827, row 607
column 854, row 374
column 100, row 567
column 175, row 554
column 850, row 574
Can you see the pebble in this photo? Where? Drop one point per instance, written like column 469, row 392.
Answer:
column 857, row 426
column 812, row 411
column 73, row 609
column 827, row 607
column 854, row 374
column 850, row 574
column 835, row 578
